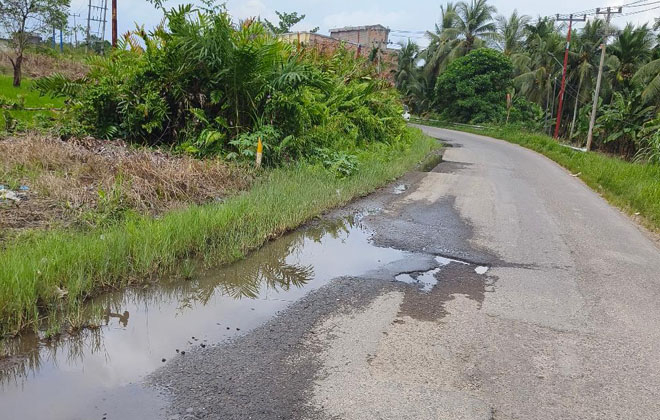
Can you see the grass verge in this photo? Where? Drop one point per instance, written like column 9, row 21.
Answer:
column 54, row 272
column 633, row 187
column 29, row 99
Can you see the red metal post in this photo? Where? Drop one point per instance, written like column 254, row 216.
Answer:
column 563, row 78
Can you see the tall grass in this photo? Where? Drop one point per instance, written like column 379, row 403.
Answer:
column 55, row 271
column 633, row 187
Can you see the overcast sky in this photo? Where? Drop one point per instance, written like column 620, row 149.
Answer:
column 399, row 15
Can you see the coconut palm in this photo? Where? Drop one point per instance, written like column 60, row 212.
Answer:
column 648, row 76
column 511, row 32
column 633, row 48
column 474, row 24
column 537, row 66
column 443, row 41
column 406, row 71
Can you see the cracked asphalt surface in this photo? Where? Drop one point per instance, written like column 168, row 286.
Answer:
column 563, row 325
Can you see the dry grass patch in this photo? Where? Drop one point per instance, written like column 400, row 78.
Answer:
column 78, row 180
column 39, row 65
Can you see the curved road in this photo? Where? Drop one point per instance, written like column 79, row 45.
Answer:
column 565, row 324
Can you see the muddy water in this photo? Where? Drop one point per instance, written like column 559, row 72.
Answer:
column 96, row 375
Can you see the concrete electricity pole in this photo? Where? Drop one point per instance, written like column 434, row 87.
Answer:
column 609, row 12
column 570, row 20
column 75, row 28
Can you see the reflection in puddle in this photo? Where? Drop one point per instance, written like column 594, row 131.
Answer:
column 85, row 376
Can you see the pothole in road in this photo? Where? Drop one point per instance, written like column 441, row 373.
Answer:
column 440, row 285
column 427, row 280
column 143, row 327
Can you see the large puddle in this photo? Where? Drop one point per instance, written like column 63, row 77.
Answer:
column 96, row 374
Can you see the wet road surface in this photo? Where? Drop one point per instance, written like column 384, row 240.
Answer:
column 496, row 286
column 524, row 296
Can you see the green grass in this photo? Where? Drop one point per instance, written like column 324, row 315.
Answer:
column 38, row 269
column 32, row 99
column 633, row 187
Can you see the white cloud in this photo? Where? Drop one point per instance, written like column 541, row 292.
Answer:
column 248, row 9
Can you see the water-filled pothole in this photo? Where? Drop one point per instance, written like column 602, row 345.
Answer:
column 427, row 280
column 71, row 378
column 85, row 375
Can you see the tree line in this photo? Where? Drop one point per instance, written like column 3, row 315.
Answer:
column 476, row 57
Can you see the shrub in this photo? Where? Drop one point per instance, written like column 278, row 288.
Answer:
column 206, row 86
column 473, row 88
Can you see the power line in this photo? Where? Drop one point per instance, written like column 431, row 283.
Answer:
column 645, row 4
column 641, row 11
column 633, row 3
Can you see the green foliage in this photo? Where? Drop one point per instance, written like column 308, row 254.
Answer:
column 536, row 49
column 526, row 114
column 15, row 100
column 287, row 21
column 621, row 121
column 650, row 150
column 204, row 85
column 473, row 88
column 21, row 19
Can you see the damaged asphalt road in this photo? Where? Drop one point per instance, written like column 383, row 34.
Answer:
column 522, row 295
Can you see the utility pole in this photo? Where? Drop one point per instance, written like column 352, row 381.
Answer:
column 97, row 14
column 609, row 12
column 570, row 20
column 114, row 23
column 552, row 108
column 105, row 15
column 75, row 28
column 89, row 20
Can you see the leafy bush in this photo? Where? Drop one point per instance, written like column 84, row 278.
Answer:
column 650, row 142
column 527, row 114
column 204, row 85
column 473, row 88
column 620, row 125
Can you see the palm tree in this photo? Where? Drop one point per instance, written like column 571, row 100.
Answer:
column 537, row 66
column 406, row 72
column 648, row 76
column 439, row 52
column 511, row 32
column 633, row 48
column 474, row 24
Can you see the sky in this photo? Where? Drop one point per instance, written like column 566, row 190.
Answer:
column 399, row 15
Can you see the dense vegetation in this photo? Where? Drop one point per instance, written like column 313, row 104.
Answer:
column 204, row 85
column 471, row 88
column 628, row 122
